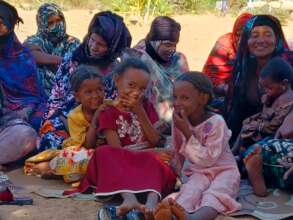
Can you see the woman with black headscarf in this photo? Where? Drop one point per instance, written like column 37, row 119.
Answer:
column 261, row 40
column 160, row 55
column 104, row 43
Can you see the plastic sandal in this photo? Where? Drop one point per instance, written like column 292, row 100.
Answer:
column 18, row 201
column 108, row 213
column 135, row 215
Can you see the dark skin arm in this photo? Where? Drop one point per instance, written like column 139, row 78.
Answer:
column 286, row 129
column 91, row 135
column 43, row 58
column 112, row 138
column 90, row 139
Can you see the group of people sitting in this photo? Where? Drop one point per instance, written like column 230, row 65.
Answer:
column 135, row 122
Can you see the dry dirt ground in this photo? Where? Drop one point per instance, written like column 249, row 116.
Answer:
column 198, row 35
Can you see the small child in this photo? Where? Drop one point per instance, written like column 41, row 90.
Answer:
column 275, row 120
column 209, row 171
column 71, row 162
column 88, row 89
column 127, row 125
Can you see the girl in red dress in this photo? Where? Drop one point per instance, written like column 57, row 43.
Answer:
column 128, row 125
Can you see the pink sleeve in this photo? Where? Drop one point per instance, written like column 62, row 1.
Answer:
column 207, row 152
column 178, row 159
column 107, row 120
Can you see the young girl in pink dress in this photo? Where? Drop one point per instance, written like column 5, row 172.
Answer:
column 129, row 124
column 209, row 171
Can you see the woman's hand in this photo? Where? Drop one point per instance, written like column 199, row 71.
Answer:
column 181, row 122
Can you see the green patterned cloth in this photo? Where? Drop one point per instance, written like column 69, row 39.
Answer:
column 53, row 40
column 274, row 150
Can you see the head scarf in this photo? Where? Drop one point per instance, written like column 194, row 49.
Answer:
column 239, row 23
column 113, row 30
column 163, row 29
column 245, row 61
column 56, row 33
column 10, row 18
column 9, row 15
column 220, row 62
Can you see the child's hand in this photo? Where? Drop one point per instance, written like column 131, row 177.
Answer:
column 181, row 122
column 97, row 114
column 132, row 103
column 165, row 154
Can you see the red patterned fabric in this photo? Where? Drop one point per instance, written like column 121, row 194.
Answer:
column 219, row 65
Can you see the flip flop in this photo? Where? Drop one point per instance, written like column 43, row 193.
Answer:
column 135, row 215
column 108, row 212
column 18, row 201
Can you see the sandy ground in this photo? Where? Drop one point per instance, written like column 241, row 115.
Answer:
column 198, row 35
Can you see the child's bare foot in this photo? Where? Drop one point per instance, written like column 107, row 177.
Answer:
column 129, row 203
column 177, row 210
column 163, row 211
column 150, row 205
column 254, row 170
column 50, row 176
column 2, row 168
column 41, row 168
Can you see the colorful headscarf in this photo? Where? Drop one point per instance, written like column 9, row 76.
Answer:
column 239, row 23
column 53, row 41
column 53, row 34
column 113, row 30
